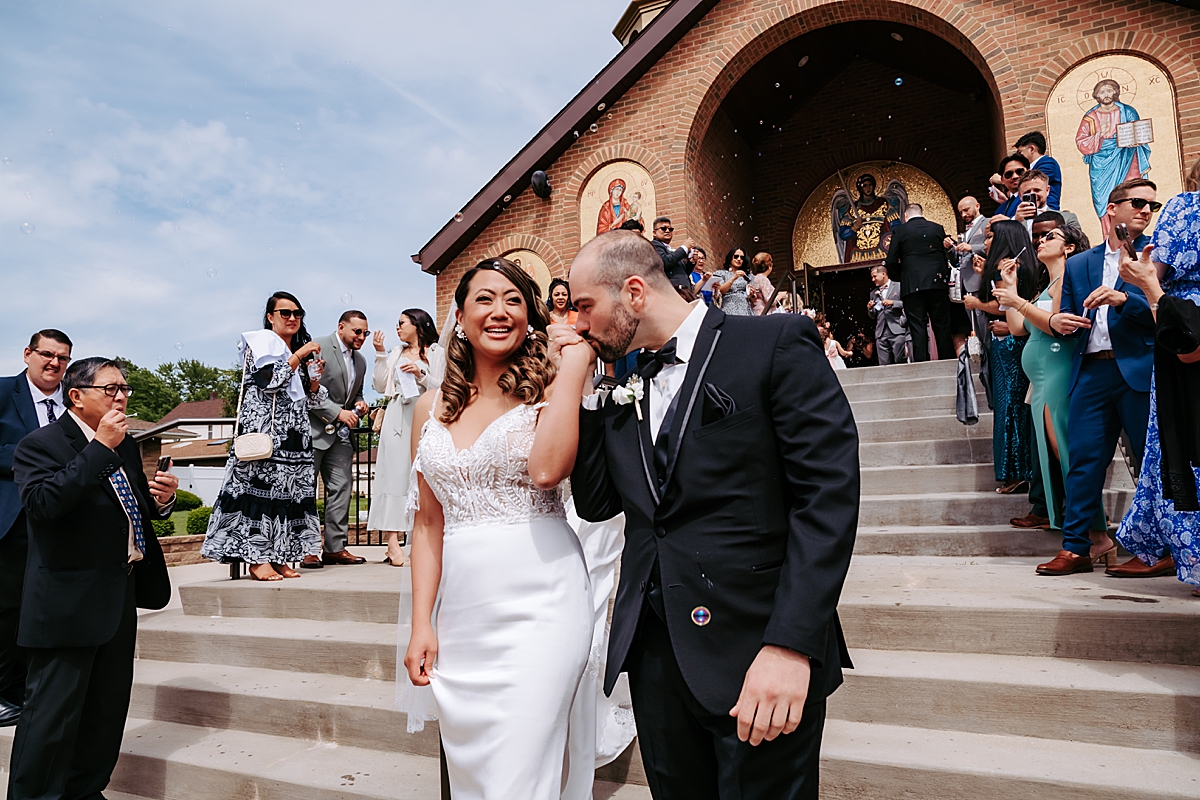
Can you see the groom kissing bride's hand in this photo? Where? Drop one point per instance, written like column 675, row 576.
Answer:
column 733, row 454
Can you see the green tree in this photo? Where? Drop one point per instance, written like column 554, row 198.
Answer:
column 153, row 396
column 195, row 380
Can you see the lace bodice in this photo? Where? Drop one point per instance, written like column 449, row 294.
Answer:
column 487, row 483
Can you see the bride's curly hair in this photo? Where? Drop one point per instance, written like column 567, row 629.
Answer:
column 530, row 371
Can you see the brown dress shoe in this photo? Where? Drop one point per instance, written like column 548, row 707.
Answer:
column 1030, row 520
column 343, row 557
column 1065, row 563
column 311, row 562
column 1135, row 568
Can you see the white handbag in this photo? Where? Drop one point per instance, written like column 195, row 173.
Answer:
column 955, row 284
column 252, row 446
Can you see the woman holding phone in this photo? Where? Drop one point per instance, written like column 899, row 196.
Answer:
column 266, row 512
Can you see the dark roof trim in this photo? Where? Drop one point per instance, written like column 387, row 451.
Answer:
column 553, row 140
column 169, row 425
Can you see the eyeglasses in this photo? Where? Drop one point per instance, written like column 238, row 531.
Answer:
column 1015, row 173
column 1139, row 203
column 46, row 354
column 288, row 313
column 667, row 229
column 361, row 332
column 112, row 389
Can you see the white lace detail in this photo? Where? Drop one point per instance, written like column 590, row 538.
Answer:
column 487, row 483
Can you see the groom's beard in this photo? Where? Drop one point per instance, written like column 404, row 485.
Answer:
column 613, row 344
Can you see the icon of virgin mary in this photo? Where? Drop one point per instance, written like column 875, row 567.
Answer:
column 614, row 211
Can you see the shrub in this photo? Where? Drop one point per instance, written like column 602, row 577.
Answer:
column 163, row 527
column 186, row 501
column 321, row 510
column 197, row 523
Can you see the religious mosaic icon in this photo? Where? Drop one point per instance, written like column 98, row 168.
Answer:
column 862, row 227
column 616, row 193
column 1113, row 140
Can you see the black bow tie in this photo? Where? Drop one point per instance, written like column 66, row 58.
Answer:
column 650, row 363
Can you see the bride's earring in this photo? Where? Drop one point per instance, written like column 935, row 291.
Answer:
column 458, row 331
column 528, row 331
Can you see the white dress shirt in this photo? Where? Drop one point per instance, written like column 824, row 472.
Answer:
column 147, row 528
column 1100, row 338
column 669, row 380
column 348, row 360
column 39, row 403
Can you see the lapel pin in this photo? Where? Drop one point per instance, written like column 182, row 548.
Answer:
column 701, row 616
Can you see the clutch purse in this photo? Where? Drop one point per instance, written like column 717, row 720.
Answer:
column 252, row 446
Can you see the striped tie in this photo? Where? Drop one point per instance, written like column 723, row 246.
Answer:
column 125, row 493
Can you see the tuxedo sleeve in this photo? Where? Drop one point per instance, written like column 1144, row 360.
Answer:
column 596, row 498
column 50, row 490
column 818, row 442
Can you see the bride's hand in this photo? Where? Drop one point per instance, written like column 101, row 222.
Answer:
column 561, row 335
column 421, row 655
column 580, row 354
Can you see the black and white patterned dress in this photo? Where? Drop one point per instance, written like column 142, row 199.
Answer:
column 266, row 511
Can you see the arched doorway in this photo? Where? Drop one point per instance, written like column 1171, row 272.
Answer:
column 825, row 100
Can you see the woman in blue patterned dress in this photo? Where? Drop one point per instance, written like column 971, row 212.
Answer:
column 1153, row 524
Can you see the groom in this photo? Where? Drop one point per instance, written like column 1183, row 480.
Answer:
column 734, row 455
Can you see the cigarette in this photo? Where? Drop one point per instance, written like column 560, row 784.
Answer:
column 131, row 416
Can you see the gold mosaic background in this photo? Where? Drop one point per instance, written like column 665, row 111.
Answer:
column 595, row 194
column 812, row 239
column 534, row 266
column 1143, row 86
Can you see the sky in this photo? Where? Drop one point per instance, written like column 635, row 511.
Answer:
column 164, row 167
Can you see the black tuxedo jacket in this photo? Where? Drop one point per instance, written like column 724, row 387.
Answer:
column 757, row 518
column 77, row 570
column 18, row 418
column 917, row 256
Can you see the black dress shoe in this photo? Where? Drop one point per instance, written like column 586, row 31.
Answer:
column 9, row 713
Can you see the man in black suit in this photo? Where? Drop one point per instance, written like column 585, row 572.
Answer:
column 27, row 402
column 917, row 258
column 737, row 470
column 675, row 260
column 93, row 560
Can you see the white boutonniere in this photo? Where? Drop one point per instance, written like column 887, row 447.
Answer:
column 631, row 392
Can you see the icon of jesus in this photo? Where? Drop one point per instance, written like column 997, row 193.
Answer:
column 1109, row 164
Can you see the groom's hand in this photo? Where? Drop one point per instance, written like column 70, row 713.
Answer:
column 773, row 695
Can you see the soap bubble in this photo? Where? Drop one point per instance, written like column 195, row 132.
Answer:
column 458, row 217
column 347, row 298
column 297, row 126
column 212, row 273
column 28, row 195
column 600, row 107
column 776, row 85
column 6, row 161
column 281, row 165
column 593, row 127
column 803, row 61
column 1055, row 347
column 880, row 139
column 50, row 132
column 899, row 81
column 185, row 263
column 508, row 198
column 27, row 227
column 575, row 134
column 179, row 345
column 756, row 238
column 609, row 116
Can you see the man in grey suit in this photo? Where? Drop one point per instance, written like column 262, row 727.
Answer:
column 333, row 455
column 891, row 326
column 972, row 245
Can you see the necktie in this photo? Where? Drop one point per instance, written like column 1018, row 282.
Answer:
column 650, row 363
column 125, row 494
column 50, row 416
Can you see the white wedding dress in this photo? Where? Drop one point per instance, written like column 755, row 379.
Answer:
column 514, row 620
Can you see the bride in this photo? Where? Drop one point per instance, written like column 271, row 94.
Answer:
column 502, row 617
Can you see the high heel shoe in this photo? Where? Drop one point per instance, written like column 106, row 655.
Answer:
column 1109, row 556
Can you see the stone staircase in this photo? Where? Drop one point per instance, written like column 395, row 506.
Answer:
column 975, row 677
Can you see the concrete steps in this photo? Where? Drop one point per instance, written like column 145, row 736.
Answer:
column 962, row 508
column 956, row 541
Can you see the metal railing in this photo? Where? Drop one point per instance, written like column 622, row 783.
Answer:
column 364, row 441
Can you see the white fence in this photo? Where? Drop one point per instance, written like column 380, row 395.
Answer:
column 202, row 481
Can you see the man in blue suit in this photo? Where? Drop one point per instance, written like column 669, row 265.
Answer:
column 27, row 402
column 1033, row 147
column 1113, row 328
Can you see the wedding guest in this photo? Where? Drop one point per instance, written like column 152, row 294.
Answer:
column 833, row 349
column 393, row 457
column 1110, row 327
column 701, row 274
column 891, row 326
column 558, row 300
column 30, row 400
column 266, row 512
column 734, row 284
column 1048, row 366
column 674, row 259
column 1010, row 426
column 761, row 288
column 1164, row 520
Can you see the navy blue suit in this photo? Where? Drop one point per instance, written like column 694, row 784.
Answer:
column 17, row 418
column 1106, row 394
column 1053, row 171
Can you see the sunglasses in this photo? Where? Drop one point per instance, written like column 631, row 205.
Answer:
column 288, row 313
column 112, row 389
column 1014, row 173
column 1048, row 235
column 362, row 332
column 46, row 354
column 738, row 257
column 667, row 229
column 1139, row 203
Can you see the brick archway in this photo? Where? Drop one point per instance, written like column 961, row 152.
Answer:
column 527, row 241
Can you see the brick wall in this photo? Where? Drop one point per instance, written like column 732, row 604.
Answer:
column 671, row 120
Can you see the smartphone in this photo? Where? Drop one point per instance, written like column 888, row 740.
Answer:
column 164, row 464
column 1029, row 197
column 1121, row 231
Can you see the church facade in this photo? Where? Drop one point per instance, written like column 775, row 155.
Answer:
column 752, row 123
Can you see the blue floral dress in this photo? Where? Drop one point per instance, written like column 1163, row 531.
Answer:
column 1152, row 523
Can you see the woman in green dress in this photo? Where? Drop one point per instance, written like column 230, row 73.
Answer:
column 1047, row 363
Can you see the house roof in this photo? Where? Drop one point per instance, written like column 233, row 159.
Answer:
column 552, row 141
column 198, row 409
column 197, row 450
column 167, row 430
